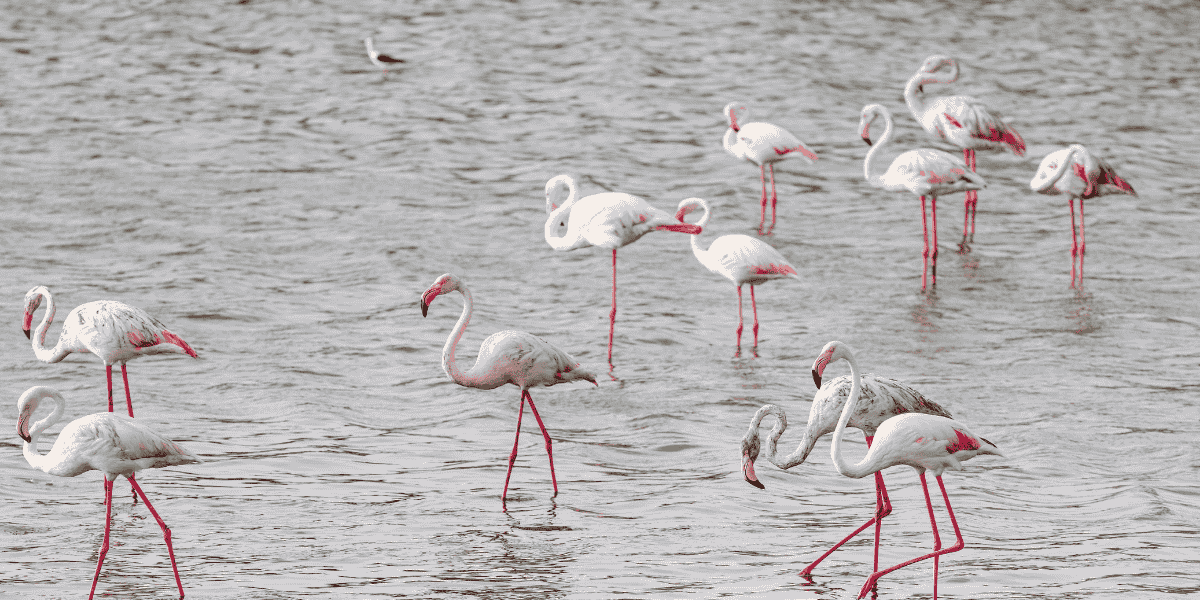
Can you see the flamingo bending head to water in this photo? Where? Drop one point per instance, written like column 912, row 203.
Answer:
column 1077, row 173
column 925, row 442
column 763, row 144
column 113, row 331
column 881, row 399
column 110, row 443
column 607, row 220
column 924, row 172
column 515, row 357
column 962, row 121
column 739, row 258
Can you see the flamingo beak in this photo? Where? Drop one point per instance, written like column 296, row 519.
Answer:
column 748, row 472
column 26, row 334
column 921, row 88
column 424, row 308
column 867, row 139
column 816, row 378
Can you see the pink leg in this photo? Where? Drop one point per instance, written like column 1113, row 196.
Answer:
column 972, row 196
column 1074, row 239
column 612, row 315
column 1082, row 243
column 762, row 178
column 933, row 213
column 128, row 398
column 166, row 531
column 774, row 199
column 754, row 307
column 739, row 329
column 108, row 373
column 513, row 457
column 108, row 488
column 937, row 541
column 545, row 434
column 925, row 253
column 883, row 507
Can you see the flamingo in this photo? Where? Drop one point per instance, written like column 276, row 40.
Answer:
column 739, row 258
column 882, row 399
column 962, row 121
column 763, row 144
column 607, row 220
column 924, row 172
column 922, row 441
column 1093, row 177
column 382, row 61
column 110, row 443
column 114, row 331
column 515, row 357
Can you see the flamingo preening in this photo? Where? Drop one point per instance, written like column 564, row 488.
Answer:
column 922, row 441
column 881, row 398
column 763, row 144
column 114, row 331
column 607, row 220
column 739, row 258
column 1074, row 171
column 924, row 172
column 383, row 61
column 110, row 443
column 515, row 357
column 962, row 121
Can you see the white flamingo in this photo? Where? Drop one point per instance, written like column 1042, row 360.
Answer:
column 921, row 441
column 114, row 331
column 607, row 220
column 110, row 443
column 763, row 144
column 1074, row 171
column 881, row 399
column 383, row 61
column 515, row 357
column 924, row 172
column 962, row 121
column 739, row 258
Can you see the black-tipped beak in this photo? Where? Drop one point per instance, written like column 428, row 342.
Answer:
column 867, row 140
column 424, row 308
column 757, row 484
column 26, row 337
column 817, row 378
column 29, row 439
column 921, row 88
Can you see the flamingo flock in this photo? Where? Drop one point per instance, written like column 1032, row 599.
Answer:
column 900, row 426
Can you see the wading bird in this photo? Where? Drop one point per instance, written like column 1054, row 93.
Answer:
column 382, row 61
column 763, row 144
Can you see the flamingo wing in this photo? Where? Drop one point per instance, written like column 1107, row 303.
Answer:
column 113, row 444
column 116, row 331
column 614, row 219
column 931, row 172
column 767, row 143
column 881, row 398
column 744, row 259
column 967, row 122
column 927, row 442
column 525, row 360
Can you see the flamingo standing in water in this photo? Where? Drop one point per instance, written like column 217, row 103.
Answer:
column 739, row 258
column 383, row 61
column 114, row 331
column 607, row 220
column 924, row 172
column 1075, row 172
column 763, row 144
column 922, row 441
column 962, row 121
column 110, row 443
column 881, row 399
column 515, row 357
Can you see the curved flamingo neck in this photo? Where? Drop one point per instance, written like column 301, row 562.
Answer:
column 558, row 215
column 43, row 353
column 844, row 467
column 802, row 451
column 36, row 459
column 704, row 256
column 449, row 364
column 877, row 180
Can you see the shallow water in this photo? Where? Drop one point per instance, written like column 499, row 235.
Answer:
column 244, row 174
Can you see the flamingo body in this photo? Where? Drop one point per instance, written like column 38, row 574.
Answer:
column 924, row 172
column 923, row 441
column 606, row 220
column 764, row 145
column 1078, row 174
column 113, row 331
column 505, row 357
column 110, row 443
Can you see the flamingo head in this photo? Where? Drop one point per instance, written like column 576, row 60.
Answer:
column 443, row 284
column 33, row 299
column 27, row 404
column 687, row 206
column 735, row 112
column 1051, row 171
column 750, row 449
column 830, row 353
column 869, row 113
column 932, row 65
